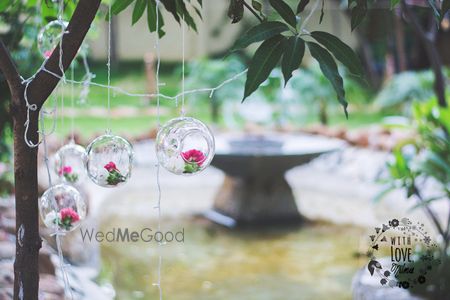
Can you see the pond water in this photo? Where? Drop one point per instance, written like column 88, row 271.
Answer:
column 313, row 261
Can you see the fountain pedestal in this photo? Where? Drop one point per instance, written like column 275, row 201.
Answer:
column 255, row 190
column 256, row 200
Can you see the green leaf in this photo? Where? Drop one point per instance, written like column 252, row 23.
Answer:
column 236, row 10
column 4, row 5
column 433, row 6
column 358, row 13
column 171, row 7
column 259, row 33
column 394, row 3
column 120, row 5
column 340, row 50
column 285, row 11
column 301, row 6
column 330, row 70
column 256, row 5
column 138, row 10
column 151, row 15
column 322, row 12
column 183, row 12
column 292, row 57
column 265, row 59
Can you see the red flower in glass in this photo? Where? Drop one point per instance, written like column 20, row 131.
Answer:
column 111, row 167
column 65, row 170
column 194, row 155
column 69, row 214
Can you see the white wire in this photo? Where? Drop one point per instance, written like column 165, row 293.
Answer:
column 158, row 183
column 183, row 43
column 313, row 10
column 109, row 69
column 72, row 106
column 154, row 95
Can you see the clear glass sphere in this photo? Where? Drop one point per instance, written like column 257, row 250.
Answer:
column 49, row 37
column 110, row 160
column 70, row 163
column 185, row 146
column 62, row 208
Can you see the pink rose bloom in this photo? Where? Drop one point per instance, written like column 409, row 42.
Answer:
column 110, row 167
column 69, row 213
column 194, row 155
column 65, row 170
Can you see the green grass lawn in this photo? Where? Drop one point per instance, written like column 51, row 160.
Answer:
column 131, row 77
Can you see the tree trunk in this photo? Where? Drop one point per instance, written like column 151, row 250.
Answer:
column 432, row 53
column 28, row 241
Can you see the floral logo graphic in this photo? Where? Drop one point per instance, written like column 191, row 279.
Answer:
column 408, row 257
column 114, row 176
column 193, row 160
column 68, row 174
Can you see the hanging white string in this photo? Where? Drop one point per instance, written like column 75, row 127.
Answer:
column 62, row 112
column 86, row 82
column 57, row 234
column 158, row 183
column 311, row 13
column 72, row 106
column 183, row 43
column 108, row 64
column 63, row 31
column 120, row 90
column 87, row 78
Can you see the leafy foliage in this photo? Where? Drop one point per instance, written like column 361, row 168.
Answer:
column 404, row 88
column 426, row 157
column 178, row 9
column 283, row 42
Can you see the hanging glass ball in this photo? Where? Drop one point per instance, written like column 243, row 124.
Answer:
column 62, row 208
column 110, row 160
column 185, row 146
column 70, row 163
column 50, row 35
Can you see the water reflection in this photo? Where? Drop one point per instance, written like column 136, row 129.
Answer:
column 310, row 262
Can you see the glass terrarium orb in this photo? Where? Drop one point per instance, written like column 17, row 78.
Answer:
column 50, row 35
column 185, row 146
column 110, row 160
column 70, row 163
column 62, row 208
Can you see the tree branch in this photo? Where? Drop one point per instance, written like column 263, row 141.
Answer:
column 8, row 68
column 432, row 53
column 44, row 83
column 252, row 11
column 430, row 212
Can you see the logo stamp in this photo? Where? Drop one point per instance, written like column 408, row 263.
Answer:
column 402, row 254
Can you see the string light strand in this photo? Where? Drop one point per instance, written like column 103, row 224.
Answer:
column 158, row 183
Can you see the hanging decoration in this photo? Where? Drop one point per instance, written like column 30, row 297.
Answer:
column 70, row 163
column 62, row 208
column 109, row 160
column 185, row 146
column 50, row 35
